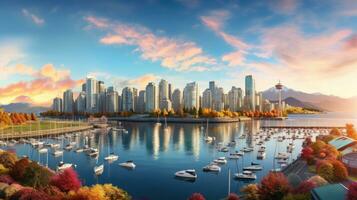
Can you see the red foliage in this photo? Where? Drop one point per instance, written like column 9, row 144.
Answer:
column 196, row 196
column 6, row 179
column 67, row 180
column 233, row 196
column 17, row 172
column 306, row 153
column 304, row 187
column 30, row 194
column 340, row 171
column 274, row 186
column 54, row 192
column 352, row 191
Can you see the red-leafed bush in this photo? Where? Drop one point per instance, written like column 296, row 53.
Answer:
column 340, row 171
column 196, row 196
column 54, row 192
column 66, row 181
column 30, row 194
column 304, row 187
column 274, row 186
column 6, row 179
column 307, row 153
column 352, row 191
column 17, row 172
column 233, row 196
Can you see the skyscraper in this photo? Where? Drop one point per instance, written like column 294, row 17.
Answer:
column 112, row 102
column 176, row 100
column 91, row 94
column 235, row 99
column 207, row 99
column 100, row 87
column 135, row 99
column 127, row 99
column 57, row 104
column 68, row 101
column 250, row 93
column 190, row 96
column 151, row 98
column 141, row 102
column 170, row 91
column 80, row 103
column 164, row 94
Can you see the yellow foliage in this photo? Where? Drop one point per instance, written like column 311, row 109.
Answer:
column 3, row 170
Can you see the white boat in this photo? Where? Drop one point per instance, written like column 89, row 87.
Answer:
column 57, row 153
column 224, row 149
column 246, row 175
column 208, row 139
column 248, row 149
column 98, row 170
column 212, row 168
column 43, row 150
column 79, row 150
column 93, row 152
column 253, row 168
column 68, row 147
column 233, row 156
column 282, row 156
column 111, row 157
column 220, row 160
column 62, row 166
column 261, row 155
column 187, row 174
column 128, row 164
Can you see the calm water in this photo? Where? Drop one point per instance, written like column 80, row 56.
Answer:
column 158, row 154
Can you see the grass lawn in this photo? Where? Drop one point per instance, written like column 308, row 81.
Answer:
column 33, row 126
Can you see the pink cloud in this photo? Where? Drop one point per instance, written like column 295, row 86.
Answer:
column 35, row 19
column 234, row 58
column 173, row 53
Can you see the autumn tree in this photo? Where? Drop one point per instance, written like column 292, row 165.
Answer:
column 30, row 194
column 335, row 132
column 251, row 192
column 66, row 180
column 325, row 170
column 8, row 159
column 36, row 176
column 274, row 186
column 232, row 196
column 340, row 171
column 351, row 132
column 18, row 170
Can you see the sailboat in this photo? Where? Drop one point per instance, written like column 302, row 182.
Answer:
column 158, row 121
column 207, row 138
column 98, row 170
column 62, row 165
column 111, row 156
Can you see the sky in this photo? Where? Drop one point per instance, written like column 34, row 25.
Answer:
column 47, row 47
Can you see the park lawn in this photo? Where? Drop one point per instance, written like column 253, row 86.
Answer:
column 34, row 126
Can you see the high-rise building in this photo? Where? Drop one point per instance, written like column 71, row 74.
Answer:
column 259, row 101
column 57, row 104
column 110, row 89
column 80, row 103
column 190, row 96
column 84, row 87
column 91, row 95
column 112, row 102
column 235, row 99
column 127, row 99
column 163, row 94
column 151, row 98
column 207, row 99
column 176, row 100
column 165, row 104
column 135, row 97
column 250, row 93
column 68, row 101
column 141, row 102
column 100, row 87
column 101, row 101
column 170, row 91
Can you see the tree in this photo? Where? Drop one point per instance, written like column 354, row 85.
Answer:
column 340, row 171
column 251, row 192
column 233, row 196
column 114, row 193
column 30, row 194
column 36, row 176
column 335, row 132
column 325, row 170
column 352, row 191
column 8, row 159
column 274, row 186
column 351, row 132
column 307, row 152
column 66, row 181
column 317, row 146
column 196, row 196
column 17, row 172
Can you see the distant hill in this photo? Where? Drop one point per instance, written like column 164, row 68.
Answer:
column 297, row 103
column 24, row 108
column 318, row 100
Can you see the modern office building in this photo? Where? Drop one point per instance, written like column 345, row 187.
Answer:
column 207, row 99
column 80, row 103
column 259, row 101
column 84, row 87
column 151, row 103
column 57, row 104
column 127, row 98
column 141, row 102
column 100, row 87
column 166, row 105
column 170, row 91
column 112, row 102
column 176, row 100
column 250, row 93
column 101, row 101
column 135, row 99
column 234, row 98
column 68, row 103
column 91, row 95
column 190, row 96
column 163, row 94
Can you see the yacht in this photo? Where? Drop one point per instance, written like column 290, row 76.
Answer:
column 98, row 170
column 111, row 157
column 261, row 155
column 253, row 168
column 79, row 150
column 282, row 156
column 187, row 174
column 128, row 164
column 254, row 163
column 93, row 152
column 62, row 166
column 220, row 160
column 57, row 153
column 246, row 175
column 248, row 149
column 224, row 149
column 68, row 147
column 43, row 150
column 208, row 139
column 212, row 168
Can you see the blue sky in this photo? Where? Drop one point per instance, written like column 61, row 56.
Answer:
column 308, row 45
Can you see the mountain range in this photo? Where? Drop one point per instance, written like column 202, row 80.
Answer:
column 23, row 108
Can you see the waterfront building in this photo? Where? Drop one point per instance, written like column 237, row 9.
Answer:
column 57, row 104
column 101, row 105
column 84, row 87
column 259, row 101
column 170, row 91
column 91, row 94
column 163, row 93
column 141, row 102
column 100, row 87
column 235, row 99
column 166, row 104
column 218, row 99
column 207, row 99
column 250, row 93
column 68, row 103
column 135, row 99
column 190, row 96
column 176, row 100
column 80, row 103
column 112, row 102
column 151, row 103
column 127, row 99
column 110, row 89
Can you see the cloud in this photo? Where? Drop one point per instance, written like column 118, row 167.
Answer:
column 234, row 58
column 10, row 52
column 175, row 54
column 35, row 19
column 23, row 99
column 46, row 83
column 284, row 6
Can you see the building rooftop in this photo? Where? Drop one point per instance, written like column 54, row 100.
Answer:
column 341, row 142
column 328, row 192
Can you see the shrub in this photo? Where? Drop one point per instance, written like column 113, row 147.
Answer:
column 7, row 159
column 335, row 131
column 274, row 186
column 114, row 193
column 196, row 196
column 318, row 146
column 53, row 192
column 251, row 192
column 318, row 181
column 3, row 169
column 6, row 179
column 66, row 180
column 352, row 191
column 340, row 171
column 30, row 194
column 307, row 153
column 325, row 170
column 233, row 196
column 18, row 170
column 36, row 176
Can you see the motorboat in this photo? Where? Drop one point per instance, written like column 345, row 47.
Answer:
column 253, row 168
column 208, row 139
column 186, row 174
column 220, row 160
column 43, row 150
column 111, row 157
column 128, row 164
column 254, row 163
column 261, row 155
column 224, row 149
column 93, row 152
column 246, row 175
column 62, row 166
column 68, row 147
column 233, row 156
column 79, row 150
column 57, row 153
column 212, row 168
column 248, row 149
column 98, row 170
column 282, row 156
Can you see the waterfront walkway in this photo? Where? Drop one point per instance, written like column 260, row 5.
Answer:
column 179, row 120
column 298, row 167
column 46, row 132
column 305, row 127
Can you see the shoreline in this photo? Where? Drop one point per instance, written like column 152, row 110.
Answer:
column 179, row 120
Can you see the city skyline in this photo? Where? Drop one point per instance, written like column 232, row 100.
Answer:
column 49, row 47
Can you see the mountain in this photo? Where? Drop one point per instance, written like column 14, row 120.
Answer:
column 318, row 100
column 23, row 107
column 297, row 103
